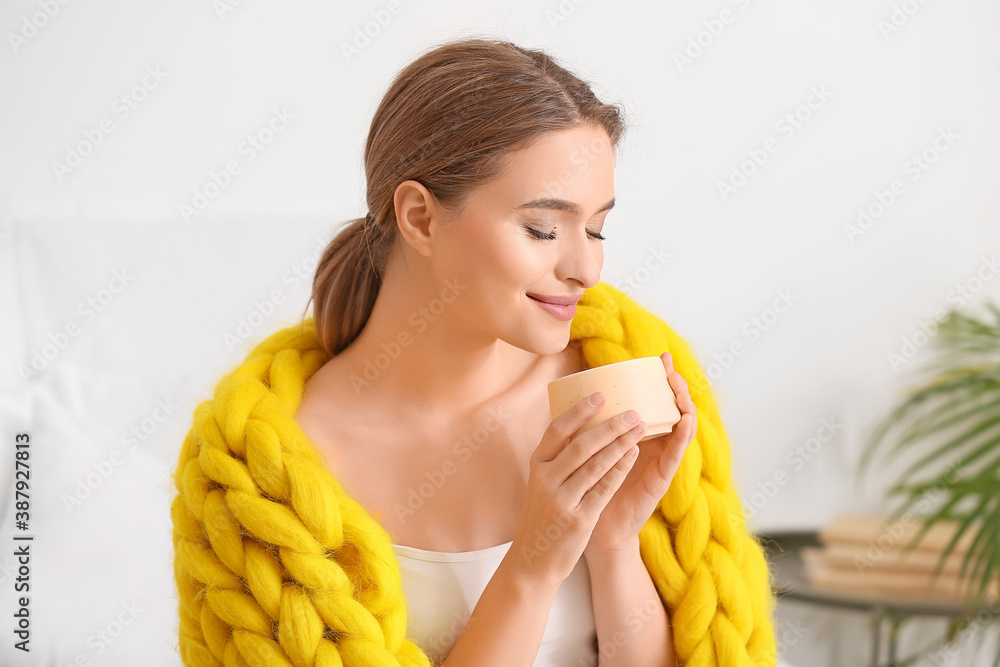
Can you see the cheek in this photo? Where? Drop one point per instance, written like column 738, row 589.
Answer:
column 496, row 262
column 500, row 273
column 525, row 261
column 496, row 270
column 487, row 268
column 515, row 268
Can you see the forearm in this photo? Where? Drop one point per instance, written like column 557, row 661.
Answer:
column 632, row 624
column 507, row 623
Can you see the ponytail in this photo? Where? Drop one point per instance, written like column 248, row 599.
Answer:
column 347, row 281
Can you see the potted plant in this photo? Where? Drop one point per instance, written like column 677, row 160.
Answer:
column 952, row 418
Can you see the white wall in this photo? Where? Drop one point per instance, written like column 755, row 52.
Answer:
column 887, row 95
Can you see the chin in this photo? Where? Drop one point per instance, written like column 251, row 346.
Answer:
column 552, row 342
column 537, row 340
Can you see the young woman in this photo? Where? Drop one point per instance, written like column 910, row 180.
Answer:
column 442, row 316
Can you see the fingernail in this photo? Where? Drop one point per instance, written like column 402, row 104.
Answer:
column 596, row 398
column 631, row 417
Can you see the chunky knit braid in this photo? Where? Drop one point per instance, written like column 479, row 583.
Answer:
column 708, row 569
column 277, row 566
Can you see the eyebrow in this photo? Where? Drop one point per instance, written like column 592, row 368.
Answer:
column 563, row 205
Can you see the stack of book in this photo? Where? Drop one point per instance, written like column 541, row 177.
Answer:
column 865, row 553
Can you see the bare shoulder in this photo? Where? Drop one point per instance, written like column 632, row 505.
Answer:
column 316, row 417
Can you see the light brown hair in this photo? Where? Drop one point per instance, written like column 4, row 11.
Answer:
column 450, row 120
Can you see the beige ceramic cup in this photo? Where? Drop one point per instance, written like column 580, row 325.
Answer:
column 636, row 384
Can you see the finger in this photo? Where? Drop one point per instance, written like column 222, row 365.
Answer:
column 685, row 426
column 690, row 407
column 596, row 498
column 657, row 475
column 687, row 429
column 562, row 428
column 688, row 402
column 668, row 465
column 677, row 380
column 585, row 448
column 668, row 361
column 681, row 390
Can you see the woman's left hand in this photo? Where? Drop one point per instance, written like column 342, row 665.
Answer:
column 648, row 480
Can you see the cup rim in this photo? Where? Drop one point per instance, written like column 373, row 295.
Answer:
column 614, row 363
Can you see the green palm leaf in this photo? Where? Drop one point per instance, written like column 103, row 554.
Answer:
column 951, row 418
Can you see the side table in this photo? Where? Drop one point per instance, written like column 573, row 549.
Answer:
column 784, row 551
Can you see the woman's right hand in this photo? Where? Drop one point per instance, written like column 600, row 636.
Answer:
column 570, row 481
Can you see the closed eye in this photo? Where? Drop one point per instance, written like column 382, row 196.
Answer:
column 551, row 236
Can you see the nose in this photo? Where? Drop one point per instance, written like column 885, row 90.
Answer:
column 581, row 259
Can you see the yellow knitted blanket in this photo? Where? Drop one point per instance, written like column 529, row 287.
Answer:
column 277, row 566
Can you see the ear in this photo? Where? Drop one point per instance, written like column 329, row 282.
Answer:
column 416, row 210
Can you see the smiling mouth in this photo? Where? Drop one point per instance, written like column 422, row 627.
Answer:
column 560, row 312
column 556, row 301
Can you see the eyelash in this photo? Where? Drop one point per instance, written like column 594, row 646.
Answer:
column 549, row 237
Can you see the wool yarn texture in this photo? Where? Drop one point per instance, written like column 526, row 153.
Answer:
column 277, row 566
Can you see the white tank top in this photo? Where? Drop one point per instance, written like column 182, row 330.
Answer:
column 443, row 587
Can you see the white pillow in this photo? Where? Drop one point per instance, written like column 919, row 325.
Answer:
column 101, row 578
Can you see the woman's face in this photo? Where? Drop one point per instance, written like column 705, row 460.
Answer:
column 534, row 231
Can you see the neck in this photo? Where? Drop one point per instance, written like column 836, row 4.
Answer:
column 430, row 368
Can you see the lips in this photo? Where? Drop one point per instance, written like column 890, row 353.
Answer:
column 561, row 307
column 555, row 300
